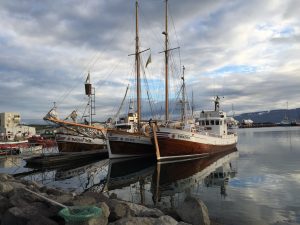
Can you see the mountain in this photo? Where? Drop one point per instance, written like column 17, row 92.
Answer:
column 273, row 116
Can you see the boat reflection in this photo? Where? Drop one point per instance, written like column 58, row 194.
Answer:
column 141, row 180
column 177, row 180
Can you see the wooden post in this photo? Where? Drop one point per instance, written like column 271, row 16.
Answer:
column 154, row 126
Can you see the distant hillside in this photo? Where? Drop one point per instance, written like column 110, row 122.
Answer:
column 273, row 116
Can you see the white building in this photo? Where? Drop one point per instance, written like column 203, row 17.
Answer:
column 11, row 129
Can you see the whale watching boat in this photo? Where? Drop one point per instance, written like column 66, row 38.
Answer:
column 205, row 136
column 190, row 138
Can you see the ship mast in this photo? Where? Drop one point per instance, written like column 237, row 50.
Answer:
column 183, row 105
column 166, row 65
column 90, row 92
column 137, row 62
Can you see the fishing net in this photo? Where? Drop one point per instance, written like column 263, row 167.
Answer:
column 77, row 214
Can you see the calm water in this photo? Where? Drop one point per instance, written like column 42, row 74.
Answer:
column 258, row 184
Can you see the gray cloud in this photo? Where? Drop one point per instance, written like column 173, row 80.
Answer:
column 48, row 47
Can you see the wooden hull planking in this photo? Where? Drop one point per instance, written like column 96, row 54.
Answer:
column 124, row 144
column 172, row 148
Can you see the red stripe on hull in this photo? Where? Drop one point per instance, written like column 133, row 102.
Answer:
column 78, row 147
column 14, row 145
column 172, row 147
column 129, row 148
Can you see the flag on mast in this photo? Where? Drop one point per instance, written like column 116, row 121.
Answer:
column 148, row 60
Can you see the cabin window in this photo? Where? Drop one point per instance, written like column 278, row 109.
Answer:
column 203, row 123
column 207, row 122
column 212, row 122
column 217, row 122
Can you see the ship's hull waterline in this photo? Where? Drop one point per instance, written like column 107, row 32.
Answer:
column 125, row 144
column 177, row 144
column 75, row 143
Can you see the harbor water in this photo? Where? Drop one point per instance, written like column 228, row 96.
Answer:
column 257, row 184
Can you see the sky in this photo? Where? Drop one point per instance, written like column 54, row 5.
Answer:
column 247, row 52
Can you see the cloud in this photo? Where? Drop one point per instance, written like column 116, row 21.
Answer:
column 245, row 51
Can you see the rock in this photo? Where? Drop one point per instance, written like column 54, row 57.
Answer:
column 163, row 220
column 4, row 205
column 118, row 210
column 142, row 211
column 51, row 191
column 105, row 213
column 113, row 196
column 171, row 212
column 5, row 177
column 17, row 184
column 167, row 220
column 22, row 198
column 134, row 221
column 193, row 211
column 105, row 208
column 23, row 214
column 6, row 188
column 32, row 185
column 65, row 199
column 41, row 220
column 14, row 216
column 84, row 200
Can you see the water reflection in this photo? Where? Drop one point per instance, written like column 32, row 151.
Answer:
column 178, row 180
column 264, row 191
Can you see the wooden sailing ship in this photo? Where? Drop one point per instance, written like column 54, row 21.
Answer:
column 190, row 138
column 76, row 137
column 130, row 139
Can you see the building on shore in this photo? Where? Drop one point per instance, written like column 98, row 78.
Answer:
column 11, row 128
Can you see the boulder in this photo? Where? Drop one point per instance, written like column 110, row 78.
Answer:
column 22, row 198
column 5, row 177
column 163, row 220
column 4, row 205
column 193, row 211
column 100, row 197
column 23, row 214
column 118, row 210
column 103, row 220
column 17, row 185
column 84, row 200
column 65, row 199
column 41, row 220
column 142, row 211
column 32, row 185
column 113, row 196
column 51, row 191
column 14, row 216
column 6, row 188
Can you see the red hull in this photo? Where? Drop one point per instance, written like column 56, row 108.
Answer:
column 46, row 143
column 180, row 148
column 7, row 146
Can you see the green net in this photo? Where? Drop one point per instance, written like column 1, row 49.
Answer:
column 80, row 213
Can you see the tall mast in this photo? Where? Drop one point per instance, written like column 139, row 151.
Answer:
column 166, row 66
column 88, row 92
column 183, row 109
column 137, row 62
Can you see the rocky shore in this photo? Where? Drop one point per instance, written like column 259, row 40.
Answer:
column 21, row 207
